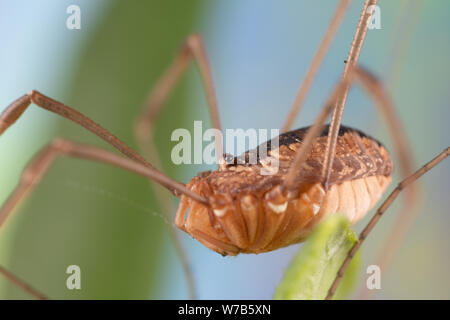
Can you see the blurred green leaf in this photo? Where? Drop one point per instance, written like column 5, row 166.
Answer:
column 313, row 270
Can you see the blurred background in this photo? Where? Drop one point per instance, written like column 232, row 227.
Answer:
column 108, row 221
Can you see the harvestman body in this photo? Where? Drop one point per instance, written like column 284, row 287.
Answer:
column 250, row 213
column 322, row 170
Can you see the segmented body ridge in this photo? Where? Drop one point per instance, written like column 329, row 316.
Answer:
column 249, row 213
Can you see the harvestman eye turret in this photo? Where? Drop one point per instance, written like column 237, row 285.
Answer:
column 323, row 169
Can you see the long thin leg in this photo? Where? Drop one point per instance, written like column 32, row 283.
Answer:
column 381, row 97
column 40, row 164
column 386, row 204
column 290, row 182
column 352, row 61
column 400, row 44
column 408, row 211
column 23, row 285
column 192, row 48
column 18, row 107
column 383, row 100
column 316, row 62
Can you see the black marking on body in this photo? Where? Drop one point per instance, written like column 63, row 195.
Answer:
column 297, row 135
column 287, row 138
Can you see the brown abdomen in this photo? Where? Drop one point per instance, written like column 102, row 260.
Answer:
column 249, row 213
column 255, row 224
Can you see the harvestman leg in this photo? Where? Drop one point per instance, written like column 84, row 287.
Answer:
column 338, row 100
column 18, row 107
column 41, row 163
column 290, row 183
column 399, row 47
column 408, row 211
column 386, row 204
column 20, row 283
column 192, row 49
column 375, row 89
column 352, row 60
column 384, row 102
column 315, row 64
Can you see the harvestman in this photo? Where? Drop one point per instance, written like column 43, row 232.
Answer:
column 323, row 169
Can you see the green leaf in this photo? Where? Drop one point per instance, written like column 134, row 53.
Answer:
column 313, row 270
